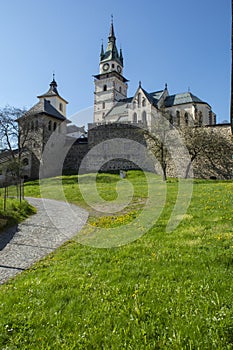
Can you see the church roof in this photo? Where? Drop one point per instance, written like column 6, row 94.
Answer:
column 182, row 98
column 121, row 108
column 44, row 107
column 153, row 97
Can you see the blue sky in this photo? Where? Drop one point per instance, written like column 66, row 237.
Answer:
column 184, row 43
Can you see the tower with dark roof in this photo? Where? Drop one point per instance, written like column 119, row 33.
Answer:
column 46, row 117
column 110, row 84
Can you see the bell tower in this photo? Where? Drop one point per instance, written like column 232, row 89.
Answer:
column 110, row 84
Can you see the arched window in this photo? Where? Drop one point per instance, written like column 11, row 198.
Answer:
column 144, row 121
column 200, row 118
column 54, row 126
column 186, row 118
column 25, row 161
column 50, row 125
column 103, row 105
column 143, row 102
column 178, row 118
column 105, row 88
column 134, row 104
column 61, row 107
column 210, row 118
column 120, row 89
column 135, row 118
column 139, row 100
column 171, row 119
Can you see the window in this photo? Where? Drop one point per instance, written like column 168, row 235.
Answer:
column 200, row 118
column 210, row 118
column 54, row 126
column 178, row 118
column 61, row 107
column 120, row 89
column 32, row 126
column 50, row 125
column 143, row 102
column 25, row 161
column 144, row 121
column 135, row 118
column 139, row 100
column 103, row 105
column 113, row 65
column 186, row 118
column 170, row 119
column 105, row 88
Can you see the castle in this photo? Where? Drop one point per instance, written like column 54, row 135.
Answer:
column 115, row 116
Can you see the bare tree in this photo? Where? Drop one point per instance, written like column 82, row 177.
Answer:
column 10, row 147
column 210, row 148
column 158, row 138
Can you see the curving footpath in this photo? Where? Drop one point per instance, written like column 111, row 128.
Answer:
column 54, row 223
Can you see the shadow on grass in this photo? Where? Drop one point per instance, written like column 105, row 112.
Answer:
column 6, row 235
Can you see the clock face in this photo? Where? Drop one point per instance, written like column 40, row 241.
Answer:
column 118, row 69
column 106, row 66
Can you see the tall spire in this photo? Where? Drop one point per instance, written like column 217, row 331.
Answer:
column 102, row 51
column 111, row 36
column 121, row 57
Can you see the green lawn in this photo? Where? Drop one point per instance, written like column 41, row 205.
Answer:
column 162, row 291
column 15, row 212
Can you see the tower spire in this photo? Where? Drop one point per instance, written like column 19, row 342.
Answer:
column 102, row 51
column 111, row 36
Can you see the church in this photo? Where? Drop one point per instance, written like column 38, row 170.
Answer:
column 111, row 103
column 115, row 116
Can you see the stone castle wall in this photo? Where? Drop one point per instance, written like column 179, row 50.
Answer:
column 114, row 147
column 104, row 154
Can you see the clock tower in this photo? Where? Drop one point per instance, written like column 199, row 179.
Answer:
column 110, row 84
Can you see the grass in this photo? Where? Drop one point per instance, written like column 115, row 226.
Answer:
column 15, row 212
column 162, row 291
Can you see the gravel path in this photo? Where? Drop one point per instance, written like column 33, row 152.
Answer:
column 54, row 223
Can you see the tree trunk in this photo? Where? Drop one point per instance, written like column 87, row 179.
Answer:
column 188, row 169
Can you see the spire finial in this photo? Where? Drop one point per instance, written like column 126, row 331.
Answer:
column 111, row 33
column 165, row 86
column 53, row 84
column 140, row 83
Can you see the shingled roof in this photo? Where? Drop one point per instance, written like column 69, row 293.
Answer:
column 182, row 98
column 44, row 107
column 120, row 108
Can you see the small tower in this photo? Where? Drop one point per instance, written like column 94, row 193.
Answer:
column 39, row 123
column 110, row 84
